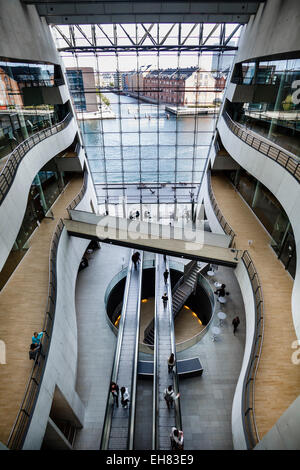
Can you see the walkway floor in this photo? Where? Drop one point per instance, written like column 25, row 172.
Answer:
column 22, row 311
column 278, row 380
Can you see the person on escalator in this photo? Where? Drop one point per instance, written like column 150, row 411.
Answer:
column 124, row 397
column 176, row 437
column 165, row 299
column 136, row 259
column 114, row 388
column 171, row 363
column 166, row 275
column 169, row 396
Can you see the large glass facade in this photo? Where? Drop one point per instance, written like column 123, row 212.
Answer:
column 17, row 121
column 275, row 114
column 157, row 90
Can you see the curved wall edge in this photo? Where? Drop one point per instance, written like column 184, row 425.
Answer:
column 14, row 205
column 61, row 367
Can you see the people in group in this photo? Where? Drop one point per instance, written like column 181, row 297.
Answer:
column 114, row 388
column 165, row 299
column 176, row 437
column 135, row 258
column 169, row 396
column 166, row 275
column 171, row 363
column 124, row 397
column 235, row 322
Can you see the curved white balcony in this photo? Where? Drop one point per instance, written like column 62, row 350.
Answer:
column 19, row 171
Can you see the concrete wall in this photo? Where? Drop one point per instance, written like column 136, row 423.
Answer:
column 281, row 183
column 13, row 207
column 238, row 436
column 273, row 30
column 61, row 367
column 285, row 435
column 24, row 35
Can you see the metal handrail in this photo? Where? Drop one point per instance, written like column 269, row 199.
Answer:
column 10, row 168
column 248, row 404
column 115, row 368
column 80, row 195
column 291, row 164
column 135, row 362
column 20, row 427
column 224, row 224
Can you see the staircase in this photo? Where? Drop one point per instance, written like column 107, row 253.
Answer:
column 180, row 293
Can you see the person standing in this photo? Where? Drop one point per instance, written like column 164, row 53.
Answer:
column 176, row 437
column 136, row 259
column 114, row 388
column 166, row 275
column 171, row 363
column 124, row 397
column 165, row 299
column 235, row 322
column 169, row 396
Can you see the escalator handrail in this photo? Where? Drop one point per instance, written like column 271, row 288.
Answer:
column 155, row 382
column 115, row 369
column 173, row 346
column 135, row 363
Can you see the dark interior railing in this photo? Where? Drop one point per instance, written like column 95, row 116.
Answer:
column 222, row 221
column 21, row 425
column 292, row 165
column 10, row 168
column 248, row 411
column 173, row 345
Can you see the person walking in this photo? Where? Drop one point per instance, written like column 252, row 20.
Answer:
column 124, row 397
column 136, row 259
column 169, row 396
column 171, row 363
column 176, row 438
column 114, row 388
column 166, row 275
column 165, row 299
column 235, row 322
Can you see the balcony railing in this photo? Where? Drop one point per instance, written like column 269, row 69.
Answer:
column 8, row 172
column 20, row 427
column 248, row 410
column 292, row 165
column 222, row 221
